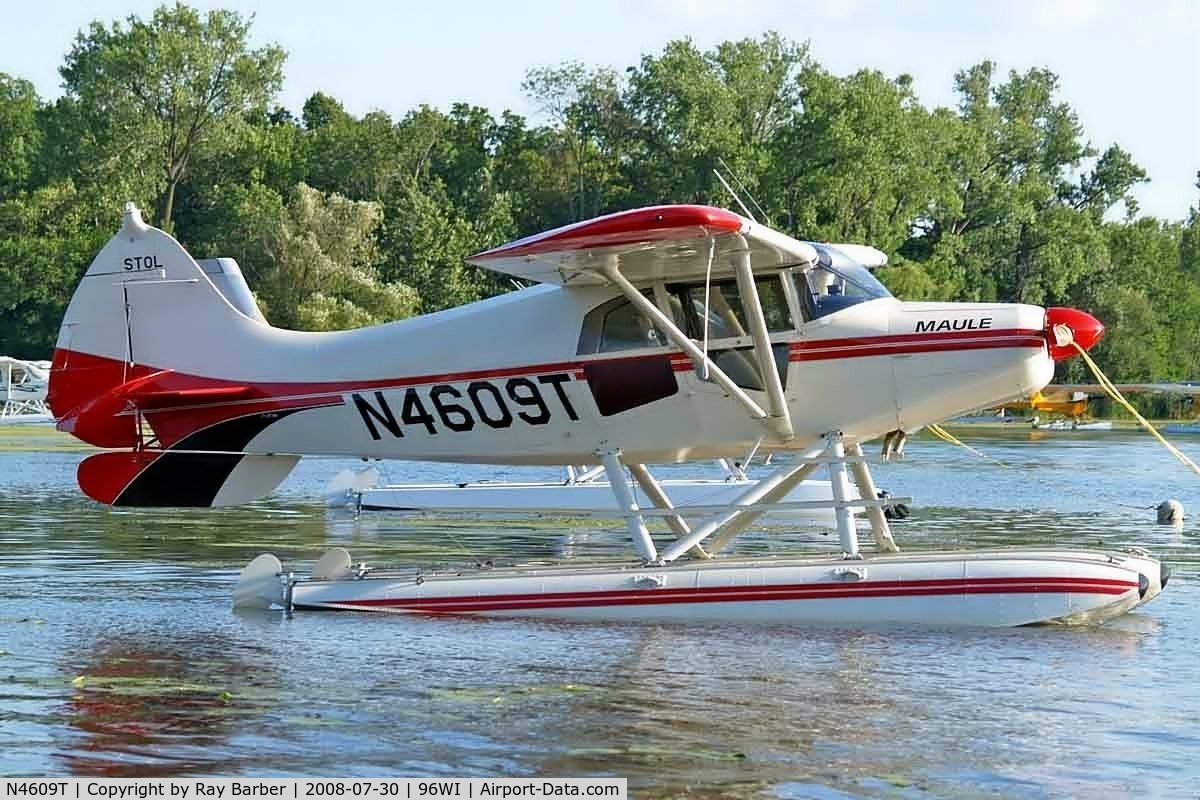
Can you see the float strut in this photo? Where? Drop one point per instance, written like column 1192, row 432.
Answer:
column 841, row 494
column 867, row 491
column 780, row 492
column 730, row 523
column 629, row 507
column 659, row 497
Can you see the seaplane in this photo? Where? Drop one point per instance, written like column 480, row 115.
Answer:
column 23, row 387
column 665, row 334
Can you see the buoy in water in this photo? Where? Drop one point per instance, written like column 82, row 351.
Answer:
column 1170, row 512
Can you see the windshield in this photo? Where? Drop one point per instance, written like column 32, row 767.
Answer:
column 838, row 282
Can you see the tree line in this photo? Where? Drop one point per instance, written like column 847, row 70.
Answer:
column 341, row 220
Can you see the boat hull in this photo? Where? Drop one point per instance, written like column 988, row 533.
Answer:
column 1067, row 425
column 989, row 588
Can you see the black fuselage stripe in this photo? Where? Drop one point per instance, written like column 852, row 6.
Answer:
column 193, row 479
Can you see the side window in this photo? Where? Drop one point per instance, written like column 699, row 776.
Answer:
column 774, row 303
column 726, row 315
column 624, row 328
column 617, row 325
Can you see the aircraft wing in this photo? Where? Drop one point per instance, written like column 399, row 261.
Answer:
column 1153, row 388
column 657, row 243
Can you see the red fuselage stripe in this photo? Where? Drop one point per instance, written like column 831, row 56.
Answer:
column 812, row 353
column 808, row 350
column 901, row 344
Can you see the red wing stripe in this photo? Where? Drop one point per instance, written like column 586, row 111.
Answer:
column 653, row 224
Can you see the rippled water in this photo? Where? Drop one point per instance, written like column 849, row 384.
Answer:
column 120, row 656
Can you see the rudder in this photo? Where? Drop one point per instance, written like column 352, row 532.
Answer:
column 144, row 337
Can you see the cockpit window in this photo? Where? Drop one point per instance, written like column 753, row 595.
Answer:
column 726, row 316
column 617, row 325
column 837, row 282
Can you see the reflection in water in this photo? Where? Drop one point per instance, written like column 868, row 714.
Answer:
column 159, row 707
column 684, row 712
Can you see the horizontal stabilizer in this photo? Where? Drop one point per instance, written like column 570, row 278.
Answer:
column 174, row 398
column 186, row 479
column 105, row 421
column 100, row 421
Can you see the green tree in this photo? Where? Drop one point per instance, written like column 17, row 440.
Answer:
column 590, row 123
column 356, row 157
column 48, row 236
column 20, row 136
column 149, row 94
column 320, row 110
column 426, row 240
column 1020, row 225
column 1189, row 244
column 312, row 260
column 860, row 164
column 691, row 109
column 269, row 151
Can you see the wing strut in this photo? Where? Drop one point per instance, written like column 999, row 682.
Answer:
column 780, row 427
column 762, row 341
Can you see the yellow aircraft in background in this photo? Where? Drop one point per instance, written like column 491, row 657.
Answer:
column 1071, row 400
column 1055, row 400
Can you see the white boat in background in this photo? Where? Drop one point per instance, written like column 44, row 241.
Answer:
column 1074, row 425
column 23, row 387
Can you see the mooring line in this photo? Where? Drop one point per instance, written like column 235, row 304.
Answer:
column 1115, row 393
column 946, row 436
column 1110, row 388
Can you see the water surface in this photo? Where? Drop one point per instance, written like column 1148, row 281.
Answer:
column 120, row 656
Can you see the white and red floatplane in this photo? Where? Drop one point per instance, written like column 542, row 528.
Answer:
column 23, row 392
column 663, row 334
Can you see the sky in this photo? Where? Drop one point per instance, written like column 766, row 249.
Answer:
column 1130, row 68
